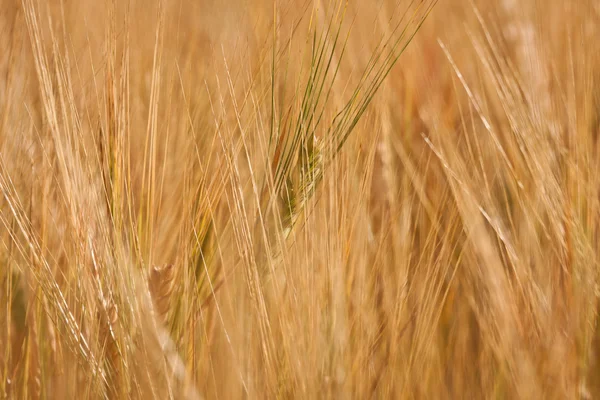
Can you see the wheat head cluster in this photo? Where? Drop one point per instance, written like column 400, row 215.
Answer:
column 338, row 199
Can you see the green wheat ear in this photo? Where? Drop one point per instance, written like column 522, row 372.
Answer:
column 299, row 160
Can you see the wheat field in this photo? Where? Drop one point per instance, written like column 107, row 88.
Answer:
column 255, row 199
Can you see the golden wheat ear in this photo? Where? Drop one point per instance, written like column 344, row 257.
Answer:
column 160, row 284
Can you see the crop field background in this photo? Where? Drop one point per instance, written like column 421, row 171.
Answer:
column 256, row 199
